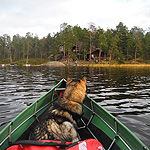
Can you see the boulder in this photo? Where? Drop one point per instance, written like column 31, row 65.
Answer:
column 55, row 64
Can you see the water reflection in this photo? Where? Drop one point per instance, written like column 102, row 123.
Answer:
column 124, row 92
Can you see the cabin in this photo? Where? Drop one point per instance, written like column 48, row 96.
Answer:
column 63, row 56
column 95, row 55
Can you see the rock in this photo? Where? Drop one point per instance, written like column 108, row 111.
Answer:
column 55, row 64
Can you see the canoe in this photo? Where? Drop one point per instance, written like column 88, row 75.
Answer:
column 96, row 123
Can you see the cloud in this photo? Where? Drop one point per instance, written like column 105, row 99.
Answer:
column 43, row 17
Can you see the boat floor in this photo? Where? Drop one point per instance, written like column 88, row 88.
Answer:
column 86, row 130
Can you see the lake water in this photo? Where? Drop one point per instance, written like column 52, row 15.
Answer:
column 124, row 92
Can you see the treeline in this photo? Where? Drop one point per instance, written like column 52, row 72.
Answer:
column 120, row 44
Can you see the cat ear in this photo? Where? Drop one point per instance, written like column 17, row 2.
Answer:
column 68, row 80
column 84, row 79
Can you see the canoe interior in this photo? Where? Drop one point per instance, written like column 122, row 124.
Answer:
column 96, row 123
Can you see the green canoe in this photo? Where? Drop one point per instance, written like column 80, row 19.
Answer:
column 96, row 123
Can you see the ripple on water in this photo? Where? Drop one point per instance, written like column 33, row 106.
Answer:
column 140, row 120
column 124, row 92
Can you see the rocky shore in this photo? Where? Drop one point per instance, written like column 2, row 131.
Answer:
column 54, row 64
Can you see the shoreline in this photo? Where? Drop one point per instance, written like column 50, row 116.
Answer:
column 79, row 63
column 118, row 65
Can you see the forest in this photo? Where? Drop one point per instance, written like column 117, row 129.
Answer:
column 119, row 44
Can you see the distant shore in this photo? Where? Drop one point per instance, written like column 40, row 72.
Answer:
column 117, row 65
column 77, row 63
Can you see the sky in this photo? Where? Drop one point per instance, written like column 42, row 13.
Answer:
column 42, row 17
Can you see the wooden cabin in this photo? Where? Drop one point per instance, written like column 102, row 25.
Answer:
column 95, row 55
column 64, row 56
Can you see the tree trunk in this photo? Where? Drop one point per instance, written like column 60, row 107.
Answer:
column 69, row 48
column 99, row 55
column 84, row 54
column 14, row 54
column 23, row 52
column 41, row 54
column 90, row 45
column 27, row 53
column 135, row 54
column 64, row 50
column 76, row 47
column 110, row 56
column 127, row 54
column 9, row 53
column 35, row 47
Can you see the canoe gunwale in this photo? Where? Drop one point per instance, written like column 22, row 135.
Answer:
column 43, row 108
column 116, row 125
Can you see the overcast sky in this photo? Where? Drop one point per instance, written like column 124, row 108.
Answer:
column 45, row 16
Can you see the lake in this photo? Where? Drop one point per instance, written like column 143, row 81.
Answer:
column 124, row 92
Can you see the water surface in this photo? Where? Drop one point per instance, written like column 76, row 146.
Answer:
column 124, row 92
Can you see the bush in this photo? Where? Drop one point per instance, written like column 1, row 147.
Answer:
column 129, row 57
column 121, row 61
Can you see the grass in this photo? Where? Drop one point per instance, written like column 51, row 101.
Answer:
column 113, row 64
column 120, row 65
column 32, row 61
column 37, row 61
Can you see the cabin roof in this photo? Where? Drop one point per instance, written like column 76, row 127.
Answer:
column 97, row 49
